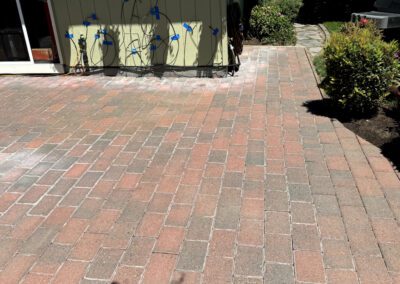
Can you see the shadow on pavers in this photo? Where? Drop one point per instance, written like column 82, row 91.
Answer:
column 178, row 281
column 381, row 129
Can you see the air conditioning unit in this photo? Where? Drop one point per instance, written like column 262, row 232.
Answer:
column 387, row 15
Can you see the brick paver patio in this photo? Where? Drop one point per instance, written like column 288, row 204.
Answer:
column 190, row 180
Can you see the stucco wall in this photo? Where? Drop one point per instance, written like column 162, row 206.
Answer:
column 143, row 33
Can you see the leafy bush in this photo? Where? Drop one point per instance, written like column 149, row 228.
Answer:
column 289, row 8
column 270, row 26
column 360, row 67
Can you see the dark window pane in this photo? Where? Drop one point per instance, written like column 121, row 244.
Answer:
column 12, row 42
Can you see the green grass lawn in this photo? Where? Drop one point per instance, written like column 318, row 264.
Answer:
column 333, row 27
column 319, row 64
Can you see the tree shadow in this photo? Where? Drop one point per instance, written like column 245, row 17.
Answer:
column 180, row 280
column 110, row 50
column 327, row 107
column 205, row 58
column 392, row 148
column 381, row 129
column 159, row 48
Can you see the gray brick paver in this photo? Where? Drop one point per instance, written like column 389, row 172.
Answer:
column 201, row 160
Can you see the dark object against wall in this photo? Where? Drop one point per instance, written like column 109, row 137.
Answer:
column 248, row 6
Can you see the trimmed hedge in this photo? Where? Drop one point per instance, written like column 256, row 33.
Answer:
column 289, row 8
column 270, row 26
column 360, row 67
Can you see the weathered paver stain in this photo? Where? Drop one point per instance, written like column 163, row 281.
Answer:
column 190, row 180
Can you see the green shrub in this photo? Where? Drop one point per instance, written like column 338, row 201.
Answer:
column 360, row 67
column 270, row 26
column 289, row 8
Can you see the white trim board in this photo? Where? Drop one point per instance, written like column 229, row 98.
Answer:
column 24, row 30
column 31, row 68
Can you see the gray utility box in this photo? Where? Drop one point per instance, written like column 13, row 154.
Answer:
column 387, row 15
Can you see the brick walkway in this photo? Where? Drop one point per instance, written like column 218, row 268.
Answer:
column 190, row 180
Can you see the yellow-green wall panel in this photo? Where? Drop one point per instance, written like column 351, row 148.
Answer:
column 137, row 36
column 190, row 39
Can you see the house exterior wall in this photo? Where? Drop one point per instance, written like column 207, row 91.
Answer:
column 133, row 33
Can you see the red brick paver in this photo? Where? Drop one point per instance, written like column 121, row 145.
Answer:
column 146, row 180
